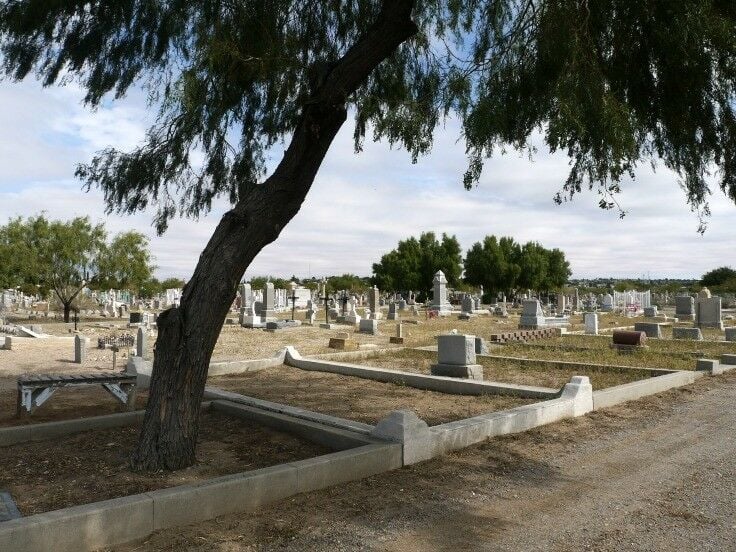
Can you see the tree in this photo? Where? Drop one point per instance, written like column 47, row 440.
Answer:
column 349, row 282
column 558, row 270
column 65, row 257
column 414, row 262
column 493, row 264
column 126, row 263
column 612, row 83
column 718, row 276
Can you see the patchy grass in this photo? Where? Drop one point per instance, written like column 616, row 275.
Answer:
column 509, row 371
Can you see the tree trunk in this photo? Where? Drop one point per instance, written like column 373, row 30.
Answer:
column 67, row 310
column 187, row 334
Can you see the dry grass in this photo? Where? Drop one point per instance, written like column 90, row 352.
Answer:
column 358, row 399
column 91, row 466
column 508, row 371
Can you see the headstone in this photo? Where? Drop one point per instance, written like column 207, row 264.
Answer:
column 532, row 316
column 80, row 349
column 650, row 312
column 140, row 343
column 398, row 339
column 246, row 296
column 481, row 347
column 591, row 323
column 456, row 357
column 374, row 303
column 627, row 338
column 402, row 304
column 731, row 334
column 369, row 326
column 607, row 305
column 704, row 293
column 352, row 317
column 135, row 318
column 468, row 305
column 268, row 311
column 561, row 303
column 439, row 301
column 650, row 329
column 708, row 312
column 687, row 333
column 393, row 311
column 685, row 307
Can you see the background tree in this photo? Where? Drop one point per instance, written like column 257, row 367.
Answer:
column 611, row 83
column 350, row 282
column 64, row 257
column 414, row 262
column 718, row 276
column 126, row 263
column 493, row 264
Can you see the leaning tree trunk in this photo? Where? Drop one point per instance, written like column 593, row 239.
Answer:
column 187, row 334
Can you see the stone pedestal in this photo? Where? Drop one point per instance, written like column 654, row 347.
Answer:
column 456, row 357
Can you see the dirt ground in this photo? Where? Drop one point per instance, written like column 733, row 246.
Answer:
column 357, row 399
column 91, row 466
column 507, row 371
column 657, row 474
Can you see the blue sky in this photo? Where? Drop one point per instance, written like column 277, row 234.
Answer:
column 361, row 205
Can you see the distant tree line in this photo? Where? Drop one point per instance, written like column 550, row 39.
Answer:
column 497, row 264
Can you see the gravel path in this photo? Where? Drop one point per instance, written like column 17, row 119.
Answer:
column 656, row 474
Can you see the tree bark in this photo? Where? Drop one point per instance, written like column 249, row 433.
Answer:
column 187, row 334
column 67, row 311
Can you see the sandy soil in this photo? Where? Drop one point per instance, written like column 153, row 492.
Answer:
column 91, row 466
column 653, row 475
column 357, row 399
column 543, row 375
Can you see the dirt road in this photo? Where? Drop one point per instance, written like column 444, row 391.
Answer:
column 657, row 474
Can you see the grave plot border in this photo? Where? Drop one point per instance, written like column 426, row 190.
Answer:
column 98, row 525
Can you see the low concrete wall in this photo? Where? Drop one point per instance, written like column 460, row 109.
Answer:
column 638, row 389
column 355, row 355
column 143, row 368
column 113, row 522
column 213, row 393
column 49, row 430
column 576, row 400
column 455, row 386
column 332, row 437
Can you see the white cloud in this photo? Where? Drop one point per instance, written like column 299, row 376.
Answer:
column 360, row 206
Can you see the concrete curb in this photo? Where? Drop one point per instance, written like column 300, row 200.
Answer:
column 329, row 436
column 48, row 430
column 630, row 391
column 576, row 400
column 455, row 386
column 293, row 411
column 112, row 522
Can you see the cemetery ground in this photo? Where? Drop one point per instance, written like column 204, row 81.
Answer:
column 649, row 475
column 472, row 498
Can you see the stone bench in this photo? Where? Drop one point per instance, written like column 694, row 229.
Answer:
column 35, row 390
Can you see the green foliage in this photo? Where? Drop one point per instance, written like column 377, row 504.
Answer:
column 414, row 262
column 718, row 276
column 126, row 263
column 502, row 265
column 64, row 257
column 611, row 83
column 152, row 286
column 349, row 282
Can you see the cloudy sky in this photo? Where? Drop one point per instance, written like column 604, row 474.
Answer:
column 361, row 205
